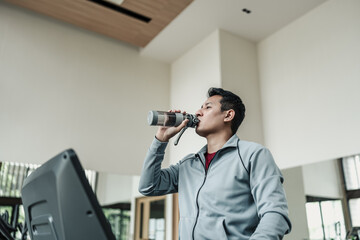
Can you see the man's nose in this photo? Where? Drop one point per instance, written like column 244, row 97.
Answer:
column 198, row 113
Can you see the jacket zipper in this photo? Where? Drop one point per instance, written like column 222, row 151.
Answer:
column 197, row 195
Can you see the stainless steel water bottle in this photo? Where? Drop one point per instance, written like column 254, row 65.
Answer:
column 170, row 119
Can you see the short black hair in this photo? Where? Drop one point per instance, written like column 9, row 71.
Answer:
column 230, row 101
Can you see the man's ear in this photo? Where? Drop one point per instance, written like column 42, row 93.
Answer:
column 230, row 114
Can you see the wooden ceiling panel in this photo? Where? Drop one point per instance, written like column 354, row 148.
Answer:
column 162, row 19
column 145, row 7
column 104, row 20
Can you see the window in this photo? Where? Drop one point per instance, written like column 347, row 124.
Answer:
column 12, row 208
column 150, row 218
column 12, row 176
column 118, row 216
column 325, row 218
column 351, row 168
column 351, row 172
column 354, row 205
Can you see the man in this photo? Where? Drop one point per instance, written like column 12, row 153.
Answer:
column 230, row 189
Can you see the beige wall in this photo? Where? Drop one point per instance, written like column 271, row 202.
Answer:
column 309, row 78
column 220, row 60
column 295, row 194
column 322, row 179
column 191, row 76
column 239, row 74
column 63, row 87
column 114, row 188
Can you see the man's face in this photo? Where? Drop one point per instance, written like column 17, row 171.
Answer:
column 210, row 116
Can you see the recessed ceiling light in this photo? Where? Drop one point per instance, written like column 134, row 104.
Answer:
column 115, row 5
column 245, row 10
column 118, row 2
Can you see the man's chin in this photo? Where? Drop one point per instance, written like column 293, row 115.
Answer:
column 199, row 132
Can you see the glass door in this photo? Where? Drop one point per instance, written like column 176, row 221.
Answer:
column 150, row 218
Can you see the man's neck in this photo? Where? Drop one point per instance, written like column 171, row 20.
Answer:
column 216, row 141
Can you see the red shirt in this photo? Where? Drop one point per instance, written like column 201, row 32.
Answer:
column 208, row 158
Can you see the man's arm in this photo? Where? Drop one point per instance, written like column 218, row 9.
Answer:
column 269, row 196
column 155, row 181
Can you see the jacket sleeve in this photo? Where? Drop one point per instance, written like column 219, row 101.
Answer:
column 155, row 181
column 269, row 196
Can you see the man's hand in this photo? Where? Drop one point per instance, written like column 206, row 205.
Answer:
column 165, row 133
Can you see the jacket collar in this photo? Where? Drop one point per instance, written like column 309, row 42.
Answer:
column 232, row 142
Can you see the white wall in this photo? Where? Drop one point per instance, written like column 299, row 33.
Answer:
column 191, row 76
column 239, row 74
column 220, row 60
column 309, row 78
column 114, row 188
column 62, row 87
column 322, row 179
column 295, row 194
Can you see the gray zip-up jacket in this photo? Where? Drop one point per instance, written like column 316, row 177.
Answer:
column 240, row 196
